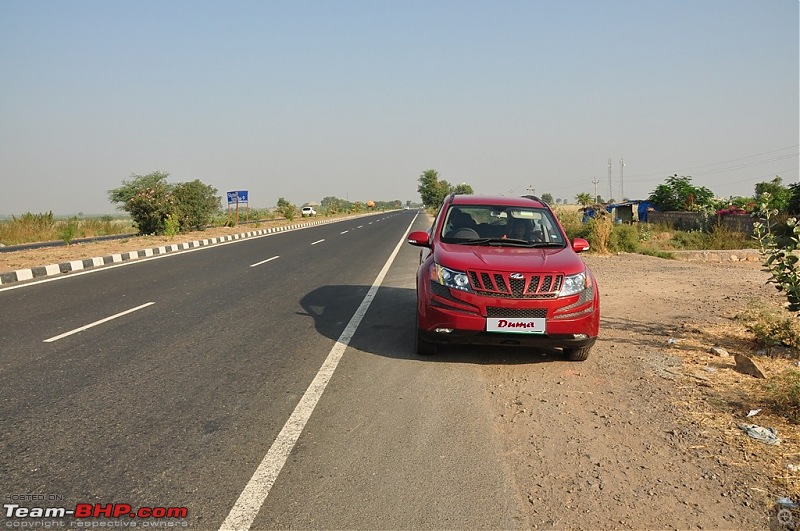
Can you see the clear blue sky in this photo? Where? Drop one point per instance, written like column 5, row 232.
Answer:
column 356, row 98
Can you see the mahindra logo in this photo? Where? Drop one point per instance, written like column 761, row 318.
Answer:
column 517, row 276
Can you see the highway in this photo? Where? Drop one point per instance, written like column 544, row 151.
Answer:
column 167, row 382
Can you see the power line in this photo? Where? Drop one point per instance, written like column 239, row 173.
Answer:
column 657, row 176
column 755, row 163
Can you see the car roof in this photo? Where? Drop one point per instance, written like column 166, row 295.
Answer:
column 464, row 200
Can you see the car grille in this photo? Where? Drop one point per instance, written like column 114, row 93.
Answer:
column 530, row 286
column 522, row 313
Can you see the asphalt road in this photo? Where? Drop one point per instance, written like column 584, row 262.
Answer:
column 179, row 402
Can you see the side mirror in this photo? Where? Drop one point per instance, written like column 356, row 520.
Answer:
column 419, row 238
column 579, row 245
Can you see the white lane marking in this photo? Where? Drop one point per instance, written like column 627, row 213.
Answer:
column 344, row 232
column 257, row 489
column 318, row 241
column 150, row 256
column 101, row 321
column 360, row 226
column 264, row 261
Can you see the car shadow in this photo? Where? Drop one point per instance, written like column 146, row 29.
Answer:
column 387, row 328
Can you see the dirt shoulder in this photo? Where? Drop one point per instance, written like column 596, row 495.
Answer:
column 644, row 434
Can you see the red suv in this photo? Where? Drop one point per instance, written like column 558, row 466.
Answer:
column 500, row 270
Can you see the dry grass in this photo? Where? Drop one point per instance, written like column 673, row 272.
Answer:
column 722, row 398
column 30, row 228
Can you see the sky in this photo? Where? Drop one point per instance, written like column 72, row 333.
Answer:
column 356, row 99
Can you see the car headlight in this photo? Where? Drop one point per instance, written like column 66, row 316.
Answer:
column 574, row 284
column 450, row 278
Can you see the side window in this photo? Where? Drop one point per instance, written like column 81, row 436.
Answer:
column 552, row 233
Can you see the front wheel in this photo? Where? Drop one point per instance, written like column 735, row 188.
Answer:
column 577, row 354
column 424, row 347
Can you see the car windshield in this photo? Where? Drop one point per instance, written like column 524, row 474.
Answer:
column 502, row 226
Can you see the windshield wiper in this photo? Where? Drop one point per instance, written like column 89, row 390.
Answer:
column 547, row 244
column 496, row 241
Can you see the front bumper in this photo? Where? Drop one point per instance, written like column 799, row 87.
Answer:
column 449, row 316
column 472, row 337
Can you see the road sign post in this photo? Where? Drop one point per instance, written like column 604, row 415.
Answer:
column 236, row 197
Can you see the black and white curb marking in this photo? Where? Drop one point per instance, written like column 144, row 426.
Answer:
column 22, row 275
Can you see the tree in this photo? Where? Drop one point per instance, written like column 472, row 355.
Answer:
column 151, row 201
column 547, row 198
column 429, row 188
column 132, row 187
column 779, row 195
column 196, row 203
column 678, row 194
column 463, row 188
column 433, row 191
column 584, row 199
column 148, row 199
column 286, row 209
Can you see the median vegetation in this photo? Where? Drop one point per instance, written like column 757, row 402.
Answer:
column 31, row 228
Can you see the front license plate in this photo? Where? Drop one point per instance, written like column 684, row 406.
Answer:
column 514, row 325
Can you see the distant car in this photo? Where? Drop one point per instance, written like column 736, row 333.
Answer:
column 501, row 271
column 308, row 211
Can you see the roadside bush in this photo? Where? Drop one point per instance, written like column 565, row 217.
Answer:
column 783, row 392
column 571, row 218
column 772, row 327
column 69, row 230
column 624, row 238
column 196, row 203
column 600, row 229
column 286, row 209
column 781, row 261
column 150, row 200
column 172, row 225
column 689, row 240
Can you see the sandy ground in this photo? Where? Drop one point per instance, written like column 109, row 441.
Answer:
column 642, row 435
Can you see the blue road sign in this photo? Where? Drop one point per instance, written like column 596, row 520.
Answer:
column 238, row 196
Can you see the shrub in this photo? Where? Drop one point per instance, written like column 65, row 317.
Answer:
column 624, row 238
column 780, row 261
column 695, row 239
column 600, row 229
column 69, row 230
column 150, row 201
column 783, row 392
column 196, row 203
column 286, row 209
column 772, row 327
column 172, row 225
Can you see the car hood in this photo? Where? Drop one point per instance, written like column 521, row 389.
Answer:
column 509, row 259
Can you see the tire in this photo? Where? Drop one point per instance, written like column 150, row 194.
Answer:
column 425, row 348
column 577, row 354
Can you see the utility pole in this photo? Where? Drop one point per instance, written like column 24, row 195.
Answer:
column 532, row 190
column 610, row 192
column 621, row 179
column 595, row 182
